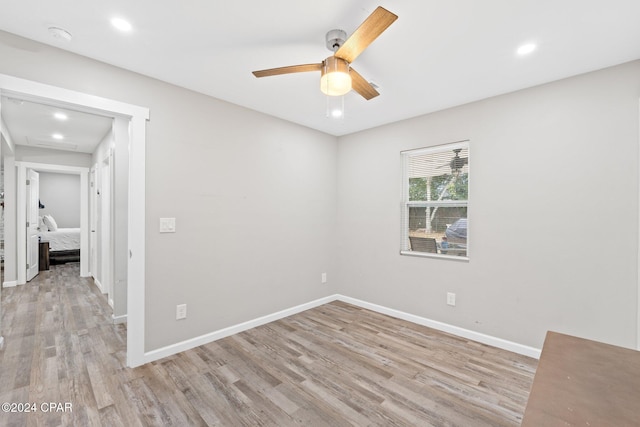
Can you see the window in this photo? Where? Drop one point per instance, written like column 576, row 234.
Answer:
column 435, row 201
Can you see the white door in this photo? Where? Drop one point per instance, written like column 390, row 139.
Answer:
column 106, row 253
column 33, row 244
column 93, row 235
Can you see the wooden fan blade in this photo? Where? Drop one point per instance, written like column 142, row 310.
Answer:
column 360, row 85
column 366, row 33
column 288, row 70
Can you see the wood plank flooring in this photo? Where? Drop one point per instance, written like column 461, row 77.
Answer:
column 335, row 365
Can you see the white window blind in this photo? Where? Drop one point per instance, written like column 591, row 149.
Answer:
column 435, row 193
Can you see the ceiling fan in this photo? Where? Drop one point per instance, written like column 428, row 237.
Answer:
column 337, row 76
column 456, row 163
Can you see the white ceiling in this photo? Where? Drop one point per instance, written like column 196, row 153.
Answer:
column 35, row 125
column 438, row 54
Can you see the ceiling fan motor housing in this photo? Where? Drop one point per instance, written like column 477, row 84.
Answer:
column 335, row 39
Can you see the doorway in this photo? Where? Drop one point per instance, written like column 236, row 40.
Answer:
column 135, row 118
column 23, row 245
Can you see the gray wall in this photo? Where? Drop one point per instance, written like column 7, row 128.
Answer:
column 60, row 194
column 254, row 198
column 553, row 213
column 53, row 157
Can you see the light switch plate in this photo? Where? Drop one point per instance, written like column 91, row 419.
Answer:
column 167, row 225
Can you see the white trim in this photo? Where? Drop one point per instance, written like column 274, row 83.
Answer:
column 45, row 167
column 99, row 285
column 638, row 265
column 21, row 224
column 464, row 143
column 231, row 330
column 119, row 319
column 432, row 255
column 444, row 327
column 47, row 94
column 438, row 204
column 43, row 93
column 136, row 228
column 7, row 137
column 10, row 284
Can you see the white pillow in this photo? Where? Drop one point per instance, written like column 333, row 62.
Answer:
column 50, row 223
column 41, row 225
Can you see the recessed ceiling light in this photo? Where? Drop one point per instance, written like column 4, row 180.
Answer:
column 60, row 116
column 57, row 136
column 336, row 114
column 526, row 49
column 121, row 24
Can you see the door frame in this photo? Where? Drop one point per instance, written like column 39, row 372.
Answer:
column 137, row 116
column 21, row 212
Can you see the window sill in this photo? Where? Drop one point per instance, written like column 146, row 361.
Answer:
column 436, row 256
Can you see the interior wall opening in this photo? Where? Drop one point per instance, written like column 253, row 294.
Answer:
column 133, row 118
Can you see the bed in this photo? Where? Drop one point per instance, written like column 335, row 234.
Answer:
column 64, row 243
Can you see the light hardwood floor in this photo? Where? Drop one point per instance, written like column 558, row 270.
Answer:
column 335, row 365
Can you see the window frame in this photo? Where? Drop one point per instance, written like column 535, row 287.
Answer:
column 406, row 204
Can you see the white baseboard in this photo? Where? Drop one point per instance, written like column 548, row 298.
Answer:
column 99, row 285
column 445, row 327
column 119, row 319
column 231, row 330
column 10, row 284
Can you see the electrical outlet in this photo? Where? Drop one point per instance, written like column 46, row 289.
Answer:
column 323, row 277
column 451, row 298
column 181, row 311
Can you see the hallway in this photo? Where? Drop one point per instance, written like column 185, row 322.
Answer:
column 59, row 344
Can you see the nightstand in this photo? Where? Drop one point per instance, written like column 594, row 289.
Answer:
column 43, row 262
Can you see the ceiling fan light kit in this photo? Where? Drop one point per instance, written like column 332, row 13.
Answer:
column 335, row 107
column 337, row 77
